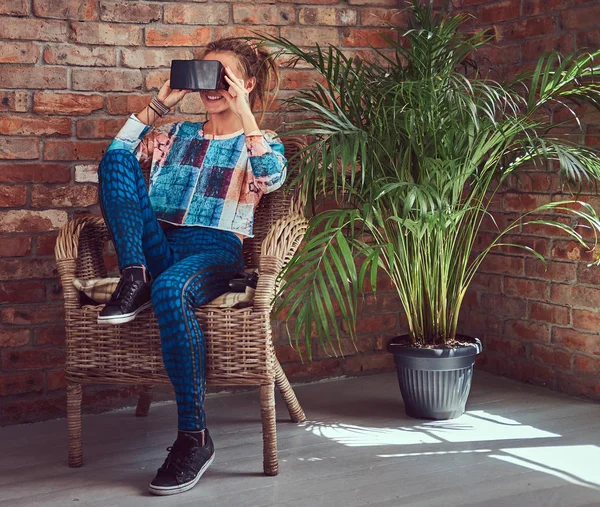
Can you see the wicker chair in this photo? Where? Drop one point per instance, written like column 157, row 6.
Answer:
column 239, row 345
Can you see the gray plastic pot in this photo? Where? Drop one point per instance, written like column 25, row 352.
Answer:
column 435, row 383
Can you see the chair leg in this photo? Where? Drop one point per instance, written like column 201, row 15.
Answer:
column 293, row 406
column 267, row 414
column 74, row 393
column 144, row 401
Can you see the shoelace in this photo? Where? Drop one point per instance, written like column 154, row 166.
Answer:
column 179, row 457
column 128, row 288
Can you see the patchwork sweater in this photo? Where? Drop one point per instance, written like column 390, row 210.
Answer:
column 201, row 179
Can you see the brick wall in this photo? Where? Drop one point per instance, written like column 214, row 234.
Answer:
column 538, row 325
column 71, row 70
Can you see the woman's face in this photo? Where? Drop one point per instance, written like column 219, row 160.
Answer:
column 213, row 100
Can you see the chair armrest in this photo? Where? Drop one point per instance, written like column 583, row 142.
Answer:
column 67, row 251
column 279, row 246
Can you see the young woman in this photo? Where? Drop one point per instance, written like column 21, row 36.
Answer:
column 180, row 242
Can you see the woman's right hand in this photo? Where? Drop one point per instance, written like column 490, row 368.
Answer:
column 170, row 97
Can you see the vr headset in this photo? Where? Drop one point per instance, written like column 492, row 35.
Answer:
column 198, row 75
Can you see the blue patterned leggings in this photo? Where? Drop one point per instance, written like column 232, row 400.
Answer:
column 190, row 267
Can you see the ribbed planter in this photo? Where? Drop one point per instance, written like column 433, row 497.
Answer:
column 435, row 383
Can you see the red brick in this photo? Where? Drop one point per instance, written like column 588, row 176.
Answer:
column 13, row 337
column 19, row 52
column 499, row 11
column 196, row 14
column 66, row 9
column 14, row 246
column 511, row 348
column 532, row 50
column 243, row 31
column 15, row 76
column 382, row 303
column 487, row 283
column 551, row 356
column 585, row 297
column 296, row 79
column 66, row 103
column 44, row 245
column 12, row 196
column 106, row 34
column 366, row 37
column 25, row 315
column 61, row 54
column 524, row 202
column 368, row 363
column 555, row 271
column 525, row 28
column 14, row 7
column 22, row 292
column 576, row 340
column 14, row 101
column 375, row 323
column 586, row 365
column 586, row 320
column 537, row 182
column 264, row 14
column 34, row 172
column 314, row 369
column 585, row 17
column 94, row 128
column 129, row 12
column 527, row 330
column 31, row 221
column 549, row 313
column 383, row 3
column 527, row 289
column 535, row 7
column 33, row 29
column 578, row 385
column 74, row 150
column 307, row 36
column 477, row 323
column 573, row 251
column 27, row 409
column 55, row 380
column 346, row 347
column 503, row 305
column 107, row 80
column 12, row 148
column 152, row 58
column 156, row 78
column 19, row 383
column 63, row 197
column 35, row 125
column 587, row 40
column 177, row 36
column 496, row 263
column 52, row 335
column 374, row 16
column 526, row 371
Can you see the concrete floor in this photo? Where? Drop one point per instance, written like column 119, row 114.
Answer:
column 516, row 446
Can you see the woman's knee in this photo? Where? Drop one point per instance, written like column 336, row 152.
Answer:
column 117, row 161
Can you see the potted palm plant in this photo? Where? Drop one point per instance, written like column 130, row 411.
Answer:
column 414, row 147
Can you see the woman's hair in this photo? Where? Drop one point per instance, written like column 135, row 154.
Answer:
column 256, row 62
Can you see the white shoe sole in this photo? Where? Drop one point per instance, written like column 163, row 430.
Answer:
column 173, row 490
column 122, row 319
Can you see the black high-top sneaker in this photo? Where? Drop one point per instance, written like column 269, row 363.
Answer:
column 185, row 464
column 132, row 296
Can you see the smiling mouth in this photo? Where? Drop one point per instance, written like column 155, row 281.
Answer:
column 213, row 98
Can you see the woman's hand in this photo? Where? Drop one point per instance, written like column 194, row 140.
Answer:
column 170, row 97
column 238, row 96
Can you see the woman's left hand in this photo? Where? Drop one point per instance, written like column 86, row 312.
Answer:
column 237, row 95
